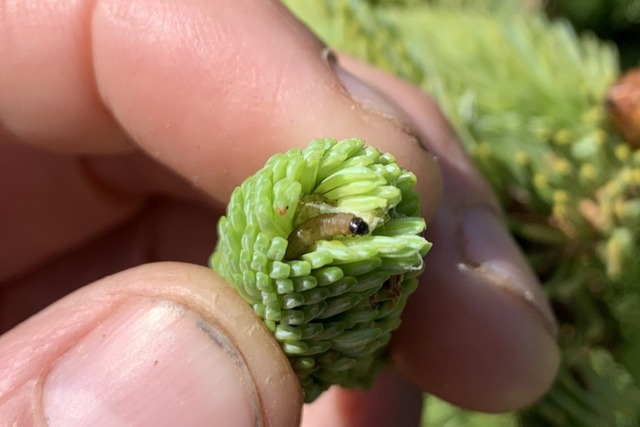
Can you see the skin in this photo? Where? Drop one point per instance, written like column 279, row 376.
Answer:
column 124, row 127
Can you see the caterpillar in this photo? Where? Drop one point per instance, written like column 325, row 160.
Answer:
column 323, row 227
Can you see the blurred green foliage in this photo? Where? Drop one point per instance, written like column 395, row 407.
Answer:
column 615, row 20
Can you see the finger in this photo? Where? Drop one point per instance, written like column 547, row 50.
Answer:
column 53, row 204
column 48, row 95
column 233, row 83
column 162, row 344
column 479, row 331
column 392, row 401
column 164, row 230
column 49, row 207
column 210, row 89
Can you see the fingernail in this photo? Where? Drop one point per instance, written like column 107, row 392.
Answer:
column 151, row 363
column 367, row 96
column 490, row 252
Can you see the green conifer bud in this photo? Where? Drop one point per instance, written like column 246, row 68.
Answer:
column 324, row 243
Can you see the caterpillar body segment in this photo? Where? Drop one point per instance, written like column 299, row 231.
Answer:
column 323, row 227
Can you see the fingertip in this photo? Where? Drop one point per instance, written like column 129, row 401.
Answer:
column 150, row 363
column 162, row 343
column 476, row 346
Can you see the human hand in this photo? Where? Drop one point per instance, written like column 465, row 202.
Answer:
column 110, row 114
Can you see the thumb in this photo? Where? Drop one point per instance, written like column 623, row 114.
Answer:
column 162, row 344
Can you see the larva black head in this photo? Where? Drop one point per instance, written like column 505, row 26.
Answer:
column 358, row 226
